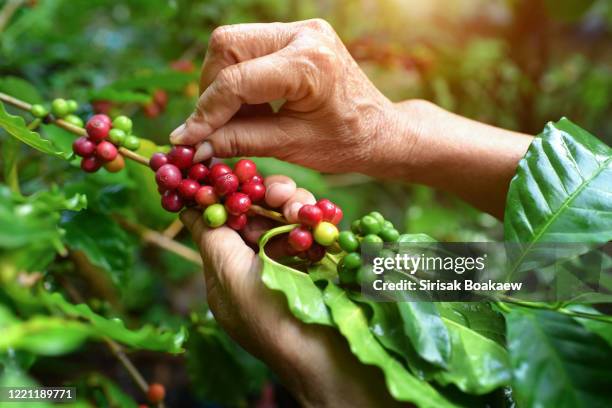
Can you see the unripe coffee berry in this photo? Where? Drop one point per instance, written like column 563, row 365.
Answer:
column 168, row 177
column 198, row 172
column 356, row 227
column 106, row 151
column 370, row 225
column 74, row 120
column 218, row 170
column 117, row 136
column 124, row 123
column 389, row 234
column 255, row 191
column 156, row 393
column 206, row 196
column 348, row 241
column 352, row 260
column 226, row 184
column 315, row 253
column 181, row 156
column 91, row 164
column 172, row 201
column 97, row 128
column 83, row 147
column 215, row 215
column 300, row 239
column 157, row 160
column 245, row 169
column 59, row 107
column 310, row 215
column 131, row 142
column 73, row 105
column 237, row 222
column 325, row 233
column 372, row 239
column 237, row 203
column 39, row 111
column 188, row 188
column 328, row 209
column 116, row 165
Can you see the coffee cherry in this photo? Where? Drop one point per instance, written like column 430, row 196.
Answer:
column 256, row 179
column 116, row 165
column 39, row 111
column 310, row 215
column 151, row 110
column 346, row 275
column 218, row 170
column 59, row 107
column 328, row 209
column 226, row 184
column 73, row 105
column 255, row 191
column 237, row 203
column 198, row 172
column 172, row 201
column 300, row 239
column 131, row 142
column 379, row 217
column 245, row 169
column 356, row 227
column 352, row 260
column 102, row 106
column 188, row 188
column 74, row 120
column 160, row 97
column 325, row 233
column 103, row 117
column 370, row 225
column 168, row 177
column 83, row 147
column 372, row 239
column 91, row 164
column 388, row 225
column 206, row 196
column 237, row 222
column 348, row 241
column 124, row 123
column 117, row 136
column 215, row 215
column 157, row 159
column 337, row 216
column 156, row 393
column 389, row 234
column 315, row 253
column 97, row 128
column 181, row 156
column 106, row 151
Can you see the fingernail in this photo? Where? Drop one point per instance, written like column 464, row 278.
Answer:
column 204, row 152
column 177, row 134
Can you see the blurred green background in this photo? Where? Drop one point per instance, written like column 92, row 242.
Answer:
column 511, row 63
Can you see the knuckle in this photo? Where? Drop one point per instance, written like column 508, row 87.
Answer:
column 318, row 24
column 219, row 39
column 227, row 80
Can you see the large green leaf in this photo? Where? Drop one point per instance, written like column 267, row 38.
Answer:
column 304, row 298
column 353, row 325
column 16, row 127
column 557, row 362
column 169, row 80
column 562, row 192
column 20, row 88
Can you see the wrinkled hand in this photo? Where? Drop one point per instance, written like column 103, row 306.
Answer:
column 333, row 117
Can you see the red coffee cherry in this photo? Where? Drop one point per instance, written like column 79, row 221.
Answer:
column 218, row 170
column 337, row 216
column 116, row 165
column 316, row 252
column 156, row 393
column 257, row 178
column 206, row 196
column 83, row 147
column 106, row 151
column 98, row 127
column 172, row 201
column 188, row 188
column 160, row 97
column 237, row 203
column 328, row 208
column 237, row 222
column 168, row 177
column 181, row 156
column 157, row 160
column 255, row 191
column 102, row 117
column 91, row 164
column 198, row 172
column 310, row 215
column 226, row 184
column 245, row 169
column 300, row 239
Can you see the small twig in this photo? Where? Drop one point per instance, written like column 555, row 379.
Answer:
column 173, row 229
column 7, row 12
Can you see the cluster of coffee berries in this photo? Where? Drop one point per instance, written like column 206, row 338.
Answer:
column 61, row 109
column 100, row 146
column 317, row 230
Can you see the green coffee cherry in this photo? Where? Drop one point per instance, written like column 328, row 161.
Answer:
column 346, row 276
column 348, row 241
column 352, row 260
column 215, row 215
column 131, row 142
column 325, row 233
column 365, row 276
column 388, row 225
column 372, row 239
column 74, row 120
column 39, row 111
column 124, row 123
column 379, row 217
column 59, row 107
column 117, row 136
column 370, row 225
column 356, row 227
column 73, row 106
column 389, row 235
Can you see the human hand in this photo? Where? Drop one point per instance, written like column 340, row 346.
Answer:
column 333, row 120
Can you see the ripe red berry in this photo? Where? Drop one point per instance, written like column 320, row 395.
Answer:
column 172, row 201
column 315, row 253
column 102, row 106
column 157, row 160
column 168, row 177
column 237, row 203
column 337, row 216
column 83, row 147
column 116, row 165
column 156, row 393
column 104, row 118
column 98, row 127
column 206, row 196
column 160, row 97
column 255, row 191
column 181, row 156
column 257, row 178
column 237, row 222
column 328, row 208
column 198, row 172
column 310, row 215
column 106, row 151
column 151, row 110
column 300, row 239
column 91, row 164
column 188, row 188
column 218, row 170
column 245, row 169
column 226, row 184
